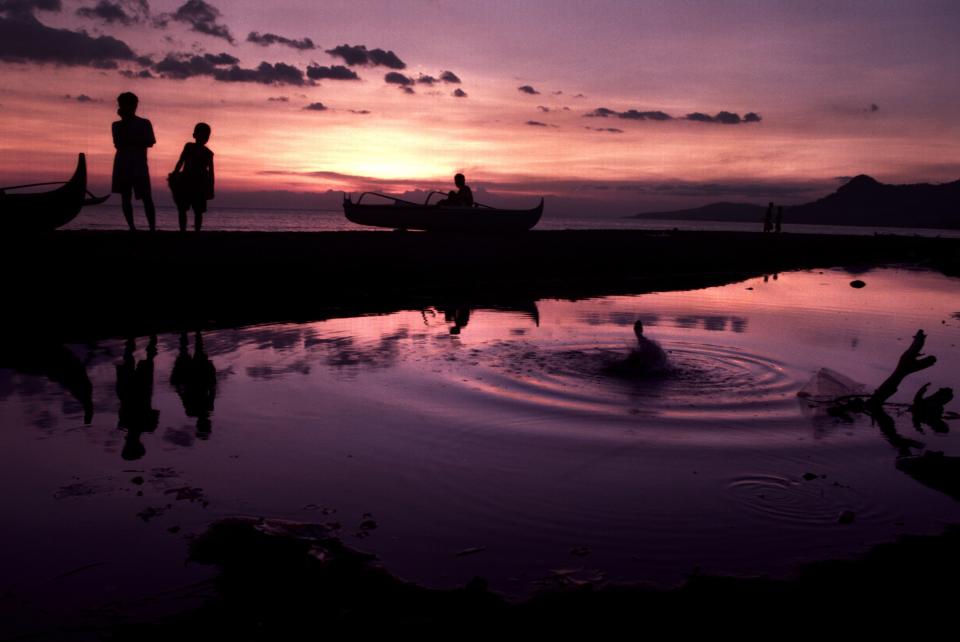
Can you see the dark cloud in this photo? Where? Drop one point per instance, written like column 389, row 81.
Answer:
column 180, row 67
column 408, row 90
column 202, row 18
column 355, row 55
column 221, row 59
column 336, row 72
column 537, row 123
column 449, row 76
column 727, row 118
column 543, row 109
column 396, row 78
column 724, row 118
column 278, row 99
column 316, row 107
column 557, row 93
column 266, row 39
column 426, row 80
column 29, row 6
column 527, row 89
column 359, row 111
column 82, row 98
column 601, row 112
column 125, row 12
column 459, row 93
column 633, row 114
column 23, row 38
column 872, row 108
column 697, row 116
column 612, row 130
column 266, row 74
column 579, row 96
column 225, row 68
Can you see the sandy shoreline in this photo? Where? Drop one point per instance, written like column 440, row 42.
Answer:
column 83, row 283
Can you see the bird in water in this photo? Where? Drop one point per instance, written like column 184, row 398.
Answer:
column 647, row 357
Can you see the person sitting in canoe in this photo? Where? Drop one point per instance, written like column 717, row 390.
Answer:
column 463, row 197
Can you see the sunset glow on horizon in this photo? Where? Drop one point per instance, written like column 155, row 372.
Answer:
column 604, row 101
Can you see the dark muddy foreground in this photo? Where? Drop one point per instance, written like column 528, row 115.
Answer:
column 279, row 579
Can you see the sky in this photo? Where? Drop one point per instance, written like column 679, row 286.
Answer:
column 606, row 106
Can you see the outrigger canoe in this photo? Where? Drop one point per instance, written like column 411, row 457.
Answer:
column 407, row 215
column 42, row 211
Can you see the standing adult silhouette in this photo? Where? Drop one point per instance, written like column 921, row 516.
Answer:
column 768, row 219
column 132, row 136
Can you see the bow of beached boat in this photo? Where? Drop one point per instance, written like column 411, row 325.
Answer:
column 41, row 211
column 407, row 215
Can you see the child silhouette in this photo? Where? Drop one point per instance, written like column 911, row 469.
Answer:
column 191, row 180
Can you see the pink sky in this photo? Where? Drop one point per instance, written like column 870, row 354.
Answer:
column 841, row 89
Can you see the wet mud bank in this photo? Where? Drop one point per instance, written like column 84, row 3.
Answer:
column 77, row 284
column 280, row 578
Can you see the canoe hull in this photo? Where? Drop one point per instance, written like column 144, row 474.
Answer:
column 45, row 210
column 430, row 218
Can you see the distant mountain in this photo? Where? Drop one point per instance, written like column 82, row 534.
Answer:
column 861, row 201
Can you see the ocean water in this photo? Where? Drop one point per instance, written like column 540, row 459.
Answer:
column 506, row 440
column 109, row 217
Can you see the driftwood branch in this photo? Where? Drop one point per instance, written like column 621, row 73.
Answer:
column 910, row 361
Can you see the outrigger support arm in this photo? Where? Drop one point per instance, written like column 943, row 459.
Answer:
column 392, row 198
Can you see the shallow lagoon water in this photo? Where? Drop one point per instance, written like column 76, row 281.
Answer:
column 472, row 439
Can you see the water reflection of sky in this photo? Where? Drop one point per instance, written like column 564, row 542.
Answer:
column 490, row 425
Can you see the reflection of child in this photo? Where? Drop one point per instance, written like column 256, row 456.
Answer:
column 191, row 181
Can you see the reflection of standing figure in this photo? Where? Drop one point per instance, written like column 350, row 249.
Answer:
column 459, row 316
column 768, row 219
column 195, row 380
column 779, row 220
column 135, row 392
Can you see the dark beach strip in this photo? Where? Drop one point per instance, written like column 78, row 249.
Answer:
column 86, row 284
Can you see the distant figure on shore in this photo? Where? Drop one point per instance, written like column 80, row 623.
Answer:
column 779, row 220
column 132, row 136
column 135, row 392
column 191, row 180
column 463, row 197
column 768, row 219
column 195, row 380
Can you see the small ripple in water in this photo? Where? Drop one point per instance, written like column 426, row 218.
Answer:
column 801, row 502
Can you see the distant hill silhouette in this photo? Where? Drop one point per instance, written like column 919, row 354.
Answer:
column 861, row 201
